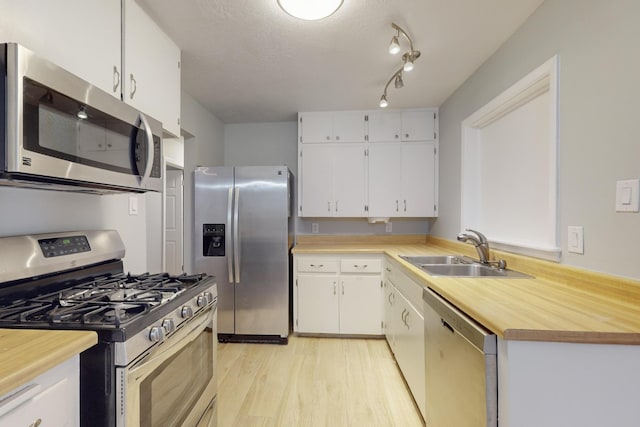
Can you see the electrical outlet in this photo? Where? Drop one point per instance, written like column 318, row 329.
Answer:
column 575, row 240
column 315, row 227
column 388, row 227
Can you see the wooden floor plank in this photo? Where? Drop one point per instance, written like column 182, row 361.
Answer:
column 312, row 382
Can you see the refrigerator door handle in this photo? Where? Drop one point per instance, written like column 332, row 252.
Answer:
column 228, row 236
column 236, row 235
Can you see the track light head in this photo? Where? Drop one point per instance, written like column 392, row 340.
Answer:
column 394, row 46
column 383, row 101
column 399, row 84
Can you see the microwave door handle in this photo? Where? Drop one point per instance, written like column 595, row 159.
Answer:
column 229, row 242
column 149, row 164
column 236, row 235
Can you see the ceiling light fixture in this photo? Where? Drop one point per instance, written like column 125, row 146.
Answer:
column 310, row 10
column 408, row 60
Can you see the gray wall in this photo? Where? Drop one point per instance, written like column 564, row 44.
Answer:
column 250, row 144
column 203, row 146
column 599, row 87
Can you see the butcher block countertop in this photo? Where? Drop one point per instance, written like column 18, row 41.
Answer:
column 27, row 353
column 561, row 303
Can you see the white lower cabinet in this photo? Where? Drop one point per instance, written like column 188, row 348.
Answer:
column 337, row 294
column 51, row 399
column 404, row 328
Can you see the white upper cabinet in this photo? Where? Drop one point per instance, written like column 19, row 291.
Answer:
column 408, row 125
column 332, row 180
column 402, row 179
column 331, row 126
column 115, row 46
column 81, row 36
column 151, row 78
column 385, row 126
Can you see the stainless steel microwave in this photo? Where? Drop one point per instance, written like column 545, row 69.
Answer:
column 60, row 132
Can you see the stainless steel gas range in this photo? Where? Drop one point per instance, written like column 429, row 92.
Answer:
column 155, row 361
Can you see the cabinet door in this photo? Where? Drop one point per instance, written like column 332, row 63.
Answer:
column 418, row 125
column 80, row 36
column 389, row 313
column 316, row 127
column 317, row 304
column 418, row 180
column 361, row 305
column 385, row 126
column 151, row 79
column 385, row 170
column 348, row 126
column 349, row 180
column 316, row 192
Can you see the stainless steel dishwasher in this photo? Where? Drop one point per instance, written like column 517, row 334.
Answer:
column 460, row 367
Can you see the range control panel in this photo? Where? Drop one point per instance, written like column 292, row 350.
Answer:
column 64, row 246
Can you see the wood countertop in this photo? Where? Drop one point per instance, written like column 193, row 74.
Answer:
column 27, row 353
column 560, row 303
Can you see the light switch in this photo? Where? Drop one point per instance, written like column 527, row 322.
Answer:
column 133, row 205
column 315, row 227
column 627, row 199
column 575, row 239
column 388, row 227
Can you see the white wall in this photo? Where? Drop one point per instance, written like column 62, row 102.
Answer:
column 31, row 211
column 203, row 146
column 597, row 44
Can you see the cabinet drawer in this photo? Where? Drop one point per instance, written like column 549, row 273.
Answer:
column 311, row 265
column 360, row 266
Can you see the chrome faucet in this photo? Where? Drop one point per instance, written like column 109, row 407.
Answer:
column 479, row 241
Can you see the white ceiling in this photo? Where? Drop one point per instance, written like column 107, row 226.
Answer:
column 248, row 61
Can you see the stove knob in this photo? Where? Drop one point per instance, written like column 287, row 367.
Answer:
column 156, row 334
column 209, row 297
column 168, row 325
column 201, row 301
column 186, row 312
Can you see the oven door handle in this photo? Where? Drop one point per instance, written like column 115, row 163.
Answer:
column 150, row 149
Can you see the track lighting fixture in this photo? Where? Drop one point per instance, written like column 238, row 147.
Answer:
column 408, row 59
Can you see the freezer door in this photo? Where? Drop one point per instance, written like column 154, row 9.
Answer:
column 262, row 289
column 213, row 236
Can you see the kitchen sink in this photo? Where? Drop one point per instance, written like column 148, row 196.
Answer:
column 435, row 259
column 459, row 266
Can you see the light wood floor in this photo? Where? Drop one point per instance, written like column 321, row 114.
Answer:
column 312, row 382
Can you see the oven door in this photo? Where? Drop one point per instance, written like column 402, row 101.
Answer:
column 175, row 384
column 62, row 130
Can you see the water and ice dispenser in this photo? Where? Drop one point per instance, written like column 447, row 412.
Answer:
column 213, row 240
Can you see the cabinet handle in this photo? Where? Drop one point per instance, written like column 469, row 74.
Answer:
column 389, row 298
column 328, row 206
column 328, row 138
column 342, row 288
column 388, row 269
column 337, row 138
column 397, row 136
column 334, row 288
column 337, row 205
column 134, row 86
column 397, row 208
column 406, row 135
column 116, row 78
column 405, row 205
column 316, row 266
column 36, row 423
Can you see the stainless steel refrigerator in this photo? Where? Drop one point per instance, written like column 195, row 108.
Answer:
column 243, row 233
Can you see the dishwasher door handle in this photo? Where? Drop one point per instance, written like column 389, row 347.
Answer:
column 446, row 325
